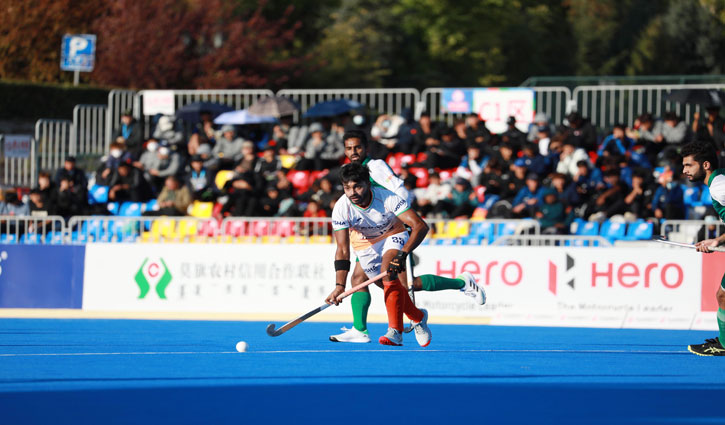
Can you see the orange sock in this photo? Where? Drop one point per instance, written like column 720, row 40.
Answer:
column 411, row 310
column 394, row 303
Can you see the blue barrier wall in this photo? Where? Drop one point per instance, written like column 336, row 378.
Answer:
column 41, row 276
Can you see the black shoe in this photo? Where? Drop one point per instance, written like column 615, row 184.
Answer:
column 711, row 347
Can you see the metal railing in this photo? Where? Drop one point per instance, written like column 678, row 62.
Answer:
column 118, row 101
column 20, row 171
column 687, row 231
column 551, row 100
column 53, row 138
column 88, row 134
column 552, row 240
column 606, row 106
column 382, row 101
column 32, row 230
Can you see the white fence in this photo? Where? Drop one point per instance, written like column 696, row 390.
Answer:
column 20, row 171
column 88, row 132
column 53, row 138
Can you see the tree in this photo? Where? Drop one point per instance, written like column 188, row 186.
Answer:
column 31, row 34
column 192, row 44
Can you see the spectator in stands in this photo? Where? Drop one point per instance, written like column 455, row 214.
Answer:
column 70, row 170
column 149, row 160
column 70, row 200
column 13, row 205
column 639, row 200
column 543, row 138
column 296, row 138
column 616, row 143
column 586, row 182
column 535, row 162
column 200, row 181
column 476, row 130
column 566, row 192
column 710, row 230
column 610, row 200
column 269, row 204
column 322, row 150
column 570, row 157
column 269, row 164
column 46, row 188
column 116, row 155
column 424, row 131
column 385, row 132
column 672, row 129
column 226, row 148
column 131, row 132
column 328, row 195
column 38, row 208
column 428, row 197
column 551, row 213
column 580, row 131
column 173, row 200
column 712, row 129
column 527, row 200
column 166, row 130
column 128, row 184
column 242, row 193
column 203, row 133
column 513, row 135
column 461, row 201
column 204, row 151
column 472, row 164
column 448, row 152
column 541, row 122
column 668, row 200
column 169, row 164
column 505, row 154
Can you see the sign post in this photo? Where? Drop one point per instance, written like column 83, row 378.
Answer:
column 78, row 54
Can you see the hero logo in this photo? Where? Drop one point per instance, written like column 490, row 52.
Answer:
column 627, row 275
column 510, row 272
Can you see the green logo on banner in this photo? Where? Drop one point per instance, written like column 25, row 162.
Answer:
column 149, row 272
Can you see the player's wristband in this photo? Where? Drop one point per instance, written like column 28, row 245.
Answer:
column 340, row 284
column 342, row 265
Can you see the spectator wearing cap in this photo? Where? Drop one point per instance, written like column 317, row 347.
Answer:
column 580, row 131
column 131, row 132
column 541, row 122
column 166, row 130
column 513, row 135
column 200, row 180
column 173, row 200
column 226, row 148
column 268, row 165
column 551, row 213
column 169, row 165
column 70, row 170
column 460, row 202
column 529, row 197
column 569, row 158
column 204, row 151
column 428, row 197
column 128, row 184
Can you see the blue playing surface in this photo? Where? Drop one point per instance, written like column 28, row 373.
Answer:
column 188, row 372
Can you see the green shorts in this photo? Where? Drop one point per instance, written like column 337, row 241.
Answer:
column 722, row 282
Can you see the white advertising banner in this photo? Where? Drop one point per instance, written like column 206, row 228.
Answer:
column 601, row 287
column 496, row 105
column 158, row 102
column 17, row 145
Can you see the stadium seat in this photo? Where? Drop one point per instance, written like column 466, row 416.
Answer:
column 447, row 241
column 321, row 239
column 186, row 230
column 588, row 228
column 479, row 231
column 235, row 228
column 299, row 179
column 395, row 161
column 31, row 238
column 288, row 161
column 260, row 228
column 705, row 196
column 421, row 174
column 152, row 205
column 113, row 207
column 316, row 175
column 283, row 228
column 131, row 209
column 691, row 196
column 97, row 194
column 296, row 239
column 8, row 238
column 201, row 209
column 54, row 238
column 446, row 174
column 639, row 230
column 612, row 231
column 222, row 177
column 208, row 228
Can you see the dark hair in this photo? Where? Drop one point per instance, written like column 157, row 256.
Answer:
column 646, row 118
column 354, row 173
column 670, row 116
column 701, row 151
column 355, row 134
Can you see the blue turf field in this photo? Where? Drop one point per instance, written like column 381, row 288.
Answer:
column 187, row 372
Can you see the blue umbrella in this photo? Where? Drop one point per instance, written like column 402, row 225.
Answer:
column 192, row 112
column 242, row 117
column 331, row 108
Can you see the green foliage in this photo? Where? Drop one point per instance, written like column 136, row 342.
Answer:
column 31, row 101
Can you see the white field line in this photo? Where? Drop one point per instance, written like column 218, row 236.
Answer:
column 183, row 353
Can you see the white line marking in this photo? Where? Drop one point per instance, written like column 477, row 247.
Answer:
column 182, row 353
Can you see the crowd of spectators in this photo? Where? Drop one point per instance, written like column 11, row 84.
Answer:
column 552, row 173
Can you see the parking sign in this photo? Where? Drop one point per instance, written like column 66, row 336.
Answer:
column 78, row 52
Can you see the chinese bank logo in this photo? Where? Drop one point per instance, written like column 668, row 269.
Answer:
column 153, row 273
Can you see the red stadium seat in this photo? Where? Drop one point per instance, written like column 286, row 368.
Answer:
column 395, row 161
column 316, row 175
column 299, row 179
column 259, row 228
column 235, row 228
column 283, row 228
column 208, row 227
column 421, row 174
column 446, row 174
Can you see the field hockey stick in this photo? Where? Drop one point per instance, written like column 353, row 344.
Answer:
column 289, row 325
column 412, row 260
column 664, row 240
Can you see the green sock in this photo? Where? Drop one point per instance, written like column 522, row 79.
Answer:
column 431, row 282
column 360, row 302
column 721, row 325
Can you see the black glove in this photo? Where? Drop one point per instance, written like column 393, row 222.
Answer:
column 397, row 264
